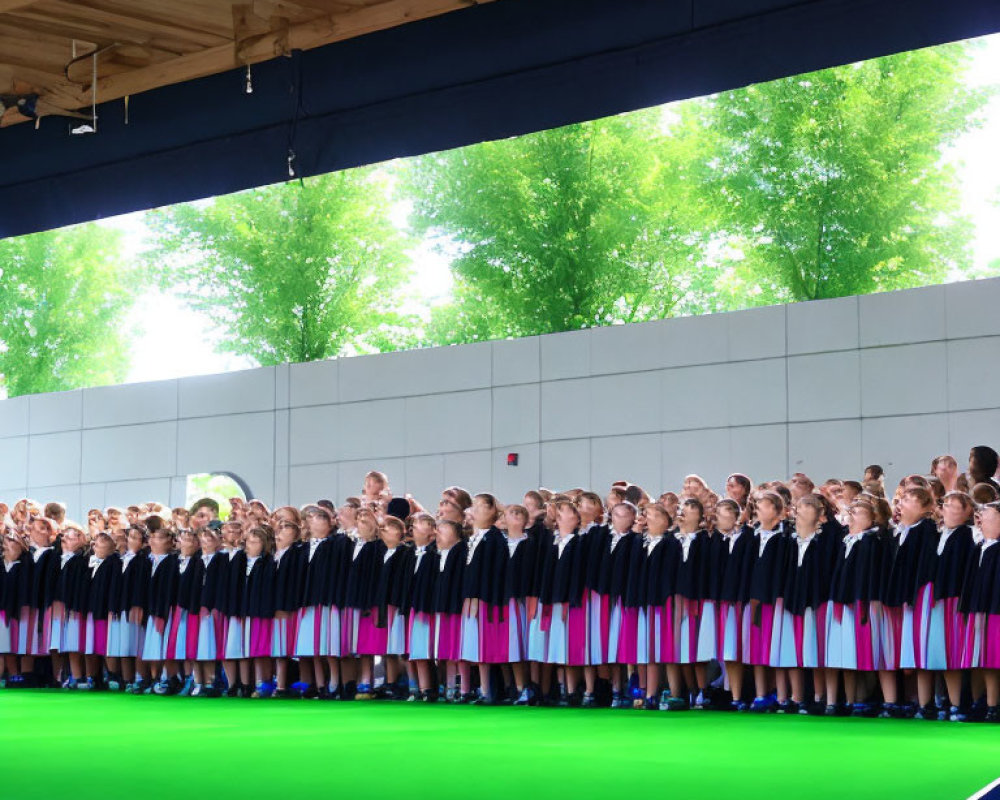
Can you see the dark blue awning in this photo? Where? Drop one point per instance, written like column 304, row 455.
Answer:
column 505, row 68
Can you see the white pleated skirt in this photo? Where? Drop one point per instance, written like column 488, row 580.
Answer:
column 123, row 636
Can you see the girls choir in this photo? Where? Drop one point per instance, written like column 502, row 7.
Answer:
column 781, row 597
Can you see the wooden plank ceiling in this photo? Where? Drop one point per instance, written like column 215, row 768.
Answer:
column 47, row 47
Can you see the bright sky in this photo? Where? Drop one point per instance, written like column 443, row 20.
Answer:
column 182, row 342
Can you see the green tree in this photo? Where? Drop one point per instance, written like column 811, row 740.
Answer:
column 293, row 272
column 833, row 183
column 583, row 225
column 64, row 295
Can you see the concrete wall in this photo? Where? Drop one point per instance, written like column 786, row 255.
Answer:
column 823, row 387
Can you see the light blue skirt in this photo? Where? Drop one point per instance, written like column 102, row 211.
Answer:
column 123, row 636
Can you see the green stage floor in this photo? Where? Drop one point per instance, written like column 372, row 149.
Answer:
column 80, row 746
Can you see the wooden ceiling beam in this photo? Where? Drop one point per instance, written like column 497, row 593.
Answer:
column 128, row 23
column 14, row 5
column 330, row 6
column 304, row 36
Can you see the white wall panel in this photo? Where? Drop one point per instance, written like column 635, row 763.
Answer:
column 54, row 459
column 516, row 361
column 130, row 452
column 823, row 325
column 696, row 397
column 910, row 379
column 516, row 412
column 131, row 403
column 914, row 315
column 565, row 464
column 14, row 416
column 230, row 393
column 13, row 463
column 696, row 340
column 904, row 445
column 972, row 308
column 472, row 471
column 240, row 443
column 632, row 458
column 757, row 333
column 448, row 422
column 314, row 383
column 826, row 449
column 60, row 411
column 702, row 452
column 894, row 378
column 565, row 355
column 824, row 386
column 974, row 373
column 510, row 483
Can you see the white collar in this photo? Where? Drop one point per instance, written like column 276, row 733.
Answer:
column 36, row 554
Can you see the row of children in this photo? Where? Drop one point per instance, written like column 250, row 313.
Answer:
column 792, row 598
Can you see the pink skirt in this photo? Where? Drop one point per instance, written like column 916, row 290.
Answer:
column 260, row 636
column 494, row 634
column 598, row 627
column 370, row 639
column 891, row 636
column 762, row 626
column 686, row 628
column 981, row 648
column 913, row 648
column 448, row 642
column 662, row 637
column 182, row 635
column 623, row 635
column 97, row 636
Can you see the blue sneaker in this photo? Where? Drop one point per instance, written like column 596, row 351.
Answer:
column 86, row 685
column 69, row 683
column 763, row 705
column 364, row 692
column 523, row 698
column 652, row 704
column 188, row 687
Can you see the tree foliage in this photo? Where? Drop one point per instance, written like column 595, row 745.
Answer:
column 813, row 186
column 64, row 297
column 584, row 225
column 833, row 183
column 293, row 272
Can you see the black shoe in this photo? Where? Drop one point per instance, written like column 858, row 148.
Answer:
column 310, row 694
column 992, row 715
